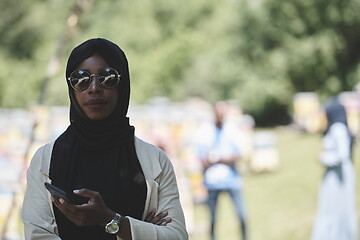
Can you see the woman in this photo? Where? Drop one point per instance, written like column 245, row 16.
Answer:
column 336, row 218
column 124, row 187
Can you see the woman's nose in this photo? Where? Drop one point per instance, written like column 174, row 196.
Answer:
column 94, row 84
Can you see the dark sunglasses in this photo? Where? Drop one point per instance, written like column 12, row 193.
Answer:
column 81, row 79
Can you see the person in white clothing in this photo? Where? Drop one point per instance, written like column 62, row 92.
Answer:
column 219, row 151
column 336, row 215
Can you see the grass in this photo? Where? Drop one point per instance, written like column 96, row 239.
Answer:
column 281, row 205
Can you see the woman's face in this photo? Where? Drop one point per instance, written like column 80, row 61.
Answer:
column 96, row 102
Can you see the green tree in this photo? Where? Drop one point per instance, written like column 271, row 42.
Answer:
column 258, row 52
column 309, row 45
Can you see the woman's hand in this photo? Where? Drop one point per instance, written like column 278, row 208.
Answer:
column 94, row 212
column 158, row 219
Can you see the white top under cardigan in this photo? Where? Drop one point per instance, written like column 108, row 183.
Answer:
column 162, row 194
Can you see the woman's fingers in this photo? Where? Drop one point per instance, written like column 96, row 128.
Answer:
column 164, row 221
column 67, row 209
column 159, row 219
column 150, row 215
column 92, row 195
column 94, row 212
column 160, row 216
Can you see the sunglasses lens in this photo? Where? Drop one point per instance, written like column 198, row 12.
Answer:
column 80, row 80
column 108, row 77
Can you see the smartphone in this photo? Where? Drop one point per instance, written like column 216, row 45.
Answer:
column 58, row 193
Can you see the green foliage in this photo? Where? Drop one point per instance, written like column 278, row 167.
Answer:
column 258, row 53
column 20, row 37
column 305, row 45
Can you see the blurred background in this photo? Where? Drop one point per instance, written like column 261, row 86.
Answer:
column 274, row 61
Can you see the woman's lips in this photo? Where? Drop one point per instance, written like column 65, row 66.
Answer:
column 95, row 103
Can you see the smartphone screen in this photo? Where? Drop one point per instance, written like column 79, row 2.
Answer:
column 58, row 193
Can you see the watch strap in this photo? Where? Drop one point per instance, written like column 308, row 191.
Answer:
column 115, row 220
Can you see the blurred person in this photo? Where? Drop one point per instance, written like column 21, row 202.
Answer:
column 336, row 216
column 219, row 151
column 123, row 187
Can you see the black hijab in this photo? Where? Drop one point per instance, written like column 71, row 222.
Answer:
column 335, row 112
column 99, row 154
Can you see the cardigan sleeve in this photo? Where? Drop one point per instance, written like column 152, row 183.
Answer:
column 168, row 200
column 39, row 222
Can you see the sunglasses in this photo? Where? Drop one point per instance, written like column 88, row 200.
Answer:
column 81, row 79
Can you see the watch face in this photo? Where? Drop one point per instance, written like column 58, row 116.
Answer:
column 112, row 228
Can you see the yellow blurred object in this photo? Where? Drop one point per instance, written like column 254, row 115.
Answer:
column 307, row 112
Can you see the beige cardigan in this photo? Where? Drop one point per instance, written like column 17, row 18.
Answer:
column 162, row 194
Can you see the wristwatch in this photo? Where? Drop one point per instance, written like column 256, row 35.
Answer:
column 114, row 225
